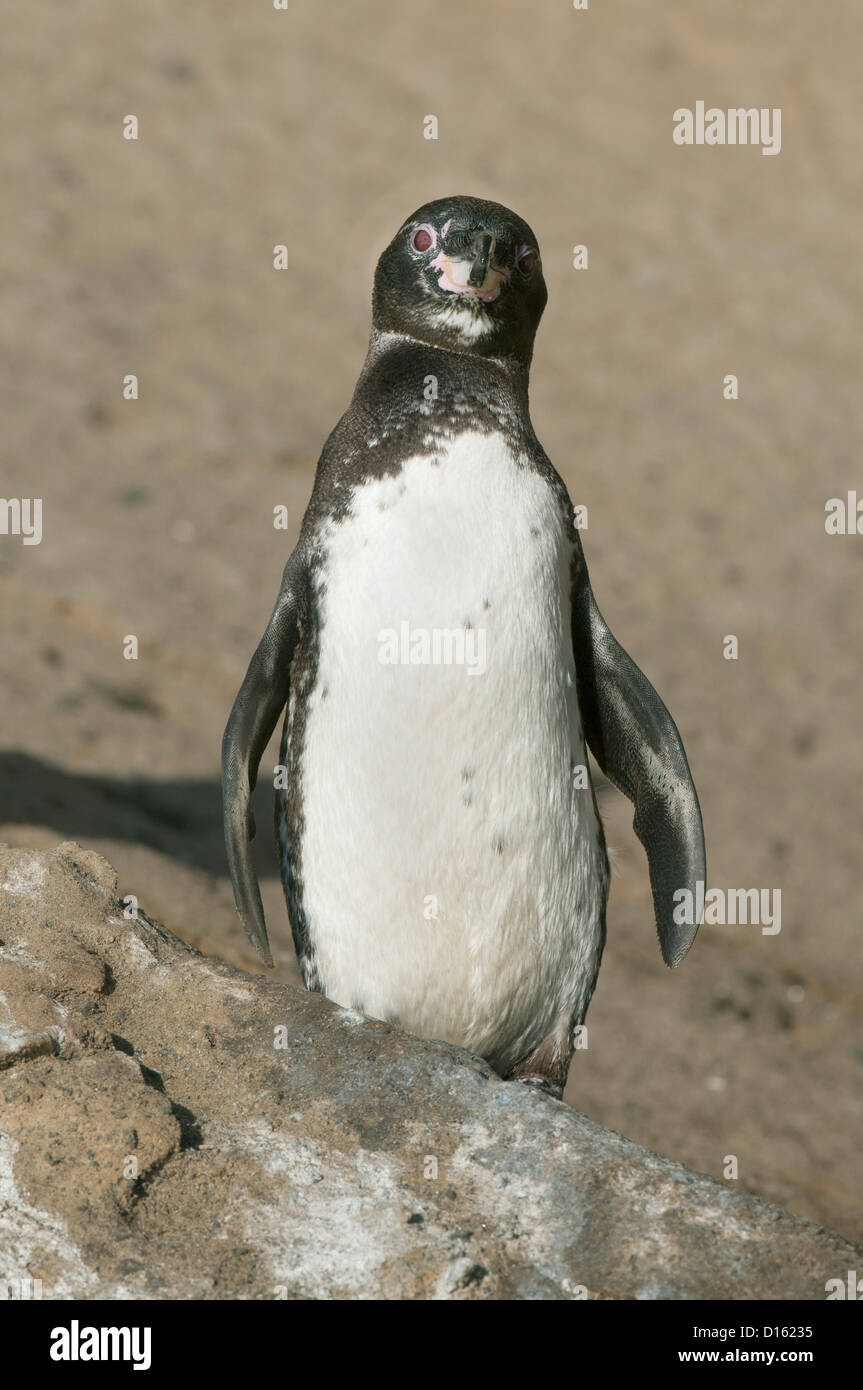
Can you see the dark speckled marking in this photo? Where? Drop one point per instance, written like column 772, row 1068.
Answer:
column 289, row 800
column 491, row 398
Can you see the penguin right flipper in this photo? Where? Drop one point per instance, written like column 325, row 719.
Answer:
column 261, row 699
column 636, row 743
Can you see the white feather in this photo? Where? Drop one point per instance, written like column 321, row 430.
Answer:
column 471, row 323
column 424, row 782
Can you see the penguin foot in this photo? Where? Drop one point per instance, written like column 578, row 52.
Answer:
column 547, row 1066
column 542, row 1083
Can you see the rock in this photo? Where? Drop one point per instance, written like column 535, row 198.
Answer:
column 171, row 1127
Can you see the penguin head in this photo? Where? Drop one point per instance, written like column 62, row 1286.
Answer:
column 463, row 274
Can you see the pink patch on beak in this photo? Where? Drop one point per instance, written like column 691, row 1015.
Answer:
column 489, row 290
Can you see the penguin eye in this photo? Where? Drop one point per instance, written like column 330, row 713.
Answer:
column 526, row 259
column 423, row 238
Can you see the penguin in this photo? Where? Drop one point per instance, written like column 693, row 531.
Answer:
column 443, row 667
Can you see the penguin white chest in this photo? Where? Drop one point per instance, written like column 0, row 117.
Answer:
column 452, row 872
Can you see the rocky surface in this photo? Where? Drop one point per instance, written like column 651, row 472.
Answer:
column 172, row 1127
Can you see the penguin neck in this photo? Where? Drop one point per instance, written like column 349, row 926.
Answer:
column 389, row 343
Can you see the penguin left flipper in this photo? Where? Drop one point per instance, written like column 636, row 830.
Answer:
column 261, row 699
column 636, row 743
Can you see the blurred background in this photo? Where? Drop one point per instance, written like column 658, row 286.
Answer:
column 706, row 516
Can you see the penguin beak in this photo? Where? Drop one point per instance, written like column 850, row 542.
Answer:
column 476, row 274
column 483, row 252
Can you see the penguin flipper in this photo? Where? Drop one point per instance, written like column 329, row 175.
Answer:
column 636, row 743
column 261, row 699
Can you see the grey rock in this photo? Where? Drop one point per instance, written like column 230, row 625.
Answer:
column 172, row 1127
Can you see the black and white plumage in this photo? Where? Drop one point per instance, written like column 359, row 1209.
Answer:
column 443, row 859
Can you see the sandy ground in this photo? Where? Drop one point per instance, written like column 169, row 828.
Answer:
column 706, row 516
